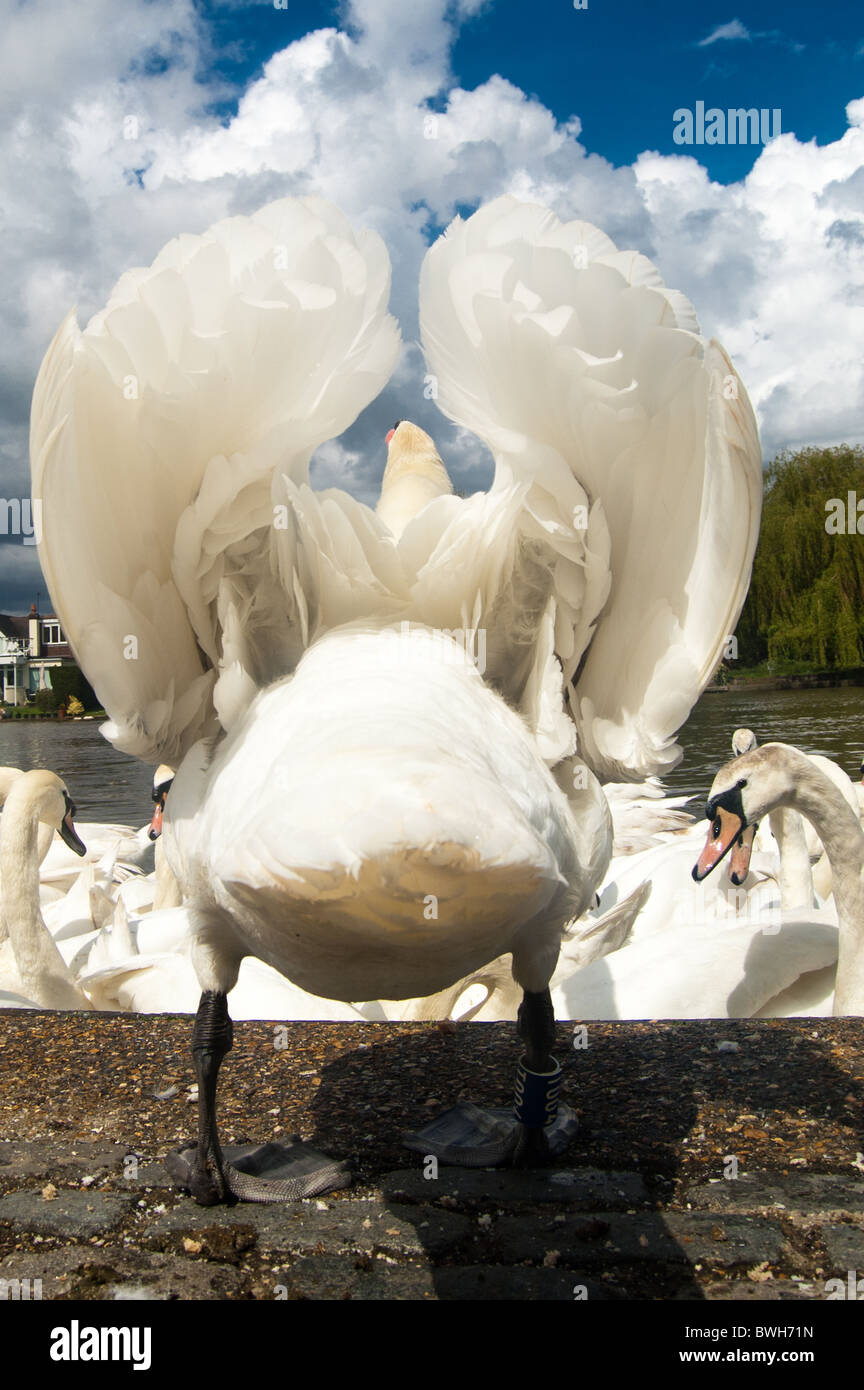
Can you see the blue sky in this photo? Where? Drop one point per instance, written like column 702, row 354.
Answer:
column 620, row 66
column 233, row 104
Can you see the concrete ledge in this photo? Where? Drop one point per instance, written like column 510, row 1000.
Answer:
column 697, row 1173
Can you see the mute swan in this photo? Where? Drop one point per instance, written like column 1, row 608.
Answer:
column 777, row 775
column 357, row 803
column 735, row 954
column 8, row 777
column 795, row 880
column 168, row 893
column 145, row 966
column 491, row 994
column 641, row 813
column 35, row 798
column 797, row 840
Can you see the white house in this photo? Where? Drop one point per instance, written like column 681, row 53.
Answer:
column 30, row 647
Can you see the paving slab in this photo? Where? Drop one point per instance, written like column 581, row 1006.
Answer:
column 339, row 1227
column 68, row 1214
column 637, row 1209
column 814, row 1193
column 608, row 1238
column 574, row 1188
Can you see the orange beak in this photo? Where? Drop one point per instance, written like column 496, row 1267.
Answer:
column 722, row 834
column 156, row 823
column 739, row 859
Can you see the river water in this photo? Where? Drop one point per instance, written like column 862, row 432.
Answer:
column 104, row 784
column 830, row 722
column 109, row 786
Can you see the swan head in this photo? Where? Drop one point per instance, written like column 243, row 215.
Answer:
column 162, row 780
column 743, row 741
column 739, row 859
column 44, row 796
column 744, row 791
column 411, row 452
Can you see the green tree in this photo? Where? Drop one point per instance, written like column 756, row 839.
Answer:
column 806, row 601
column 70, row 680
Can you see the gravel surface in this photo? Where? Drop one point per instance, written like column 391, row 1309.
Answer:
column 718, row 1159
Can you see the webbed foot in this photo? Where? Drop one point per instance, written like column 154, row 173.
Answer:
column 258, row 1173
column 473, row 1137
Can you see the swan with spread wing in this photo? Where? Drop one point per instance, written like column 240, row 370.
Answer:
column 358, row 803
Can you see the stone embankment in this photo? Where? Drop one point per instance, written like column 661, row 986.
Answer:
column 715, row 1160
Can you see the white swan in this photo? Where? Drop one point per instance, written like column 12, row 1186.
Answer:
column 797, row 841
column 643, row 813
column 356, row 803
column 45, row 835
column 794, row 877
column 757, row 949
column 777, row 775
column 36, row 798
column 144, row 965
column 168, row 892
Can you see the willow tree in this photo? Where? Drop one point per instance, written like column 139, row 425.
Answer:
column 806, row 599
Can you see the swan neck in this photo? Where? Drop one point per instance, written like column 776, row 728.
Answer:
column 840, row 832
column 45, row 977
column 796, row 878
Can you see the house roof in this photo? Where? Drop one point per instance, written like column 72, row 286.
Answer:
column 12, row 625
column 17, row 626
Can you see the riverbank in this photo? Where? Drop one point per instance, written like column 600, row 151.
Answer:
column 30, row 716
column 804, row 680
column 715, row 1160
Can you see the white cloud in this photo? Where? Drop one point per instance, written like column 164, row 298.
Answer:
column 734, row 29
column 773, row 263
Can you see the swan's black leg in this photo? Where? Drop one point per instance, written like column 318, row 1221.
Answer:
column 536, row 1126
column 212, row 1037
column 259, row 1172
column 536, row 1024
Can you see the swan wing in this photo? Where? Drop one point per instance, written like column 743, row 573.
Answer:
column 157, row 436
column 638, row 453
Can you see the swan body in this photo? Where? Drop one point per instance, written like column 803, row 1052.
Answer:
column 642, row 813
column 428, row 841
column 706, row 970
column 364, row 799
column 144, row 965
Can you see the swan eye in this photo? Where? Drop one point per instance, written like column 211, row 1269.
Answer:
column 716, row 828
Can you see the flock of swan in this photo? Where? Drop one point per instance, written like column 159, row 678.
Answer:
column 761, row 941
column 363, row 810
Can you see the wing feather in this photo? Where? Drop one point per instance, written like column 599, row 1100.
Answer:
column 637, row 449
column 158, row 436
